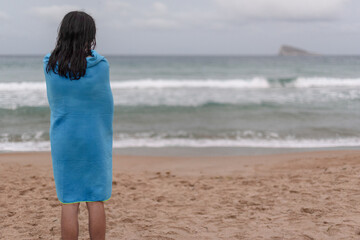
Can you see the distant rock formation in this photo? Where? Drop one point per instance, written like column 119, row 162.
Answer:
column 287, row 50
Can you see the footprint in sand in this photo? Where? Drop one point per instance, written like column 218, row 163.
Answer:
column 181, row 230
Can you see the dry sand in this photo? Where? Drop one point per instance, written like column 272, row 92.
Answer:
column 288, row 196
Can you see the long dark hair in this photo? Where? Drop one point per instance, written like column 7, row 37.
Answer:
column 76, row 38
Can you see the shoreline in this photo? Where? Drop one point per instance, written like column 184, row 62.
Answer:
column 180, row 151
column 182, row 164
column 306, row 195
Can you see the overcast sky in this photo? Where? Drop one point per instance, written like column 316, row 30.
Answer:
column 188, row 27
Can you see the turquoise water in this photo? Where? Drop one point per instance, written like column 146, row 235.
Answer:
column 233, row 102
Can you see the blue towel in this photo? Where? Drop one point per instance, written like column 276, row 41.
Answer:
column 81, row 132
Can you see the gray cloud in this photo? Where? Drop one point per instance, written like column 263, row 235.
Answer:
column 282, row 10
column 188, row 27
column 127, row 15
column 53, row 13
column 3, row 16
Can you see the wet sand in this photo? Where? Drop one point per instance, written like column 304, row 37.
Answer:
column 285, row 196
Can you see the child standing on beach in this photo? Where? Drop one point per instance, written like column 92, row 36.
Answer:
column 81, row 103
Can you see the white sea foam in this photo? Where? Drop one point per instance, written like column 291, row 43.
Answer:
column 24, row 146
column 154, row 83
column 209, row 83
column 199, row 92
column 257, row 82
column 250, row 143
column 199, row 143
column 19, row 86
column 326, row 82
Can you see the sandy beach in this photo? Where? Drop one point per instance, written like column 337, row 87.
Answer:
column 286, row 196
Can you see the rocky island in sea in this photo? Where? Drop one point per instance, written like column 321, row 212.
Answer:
column 287, row 50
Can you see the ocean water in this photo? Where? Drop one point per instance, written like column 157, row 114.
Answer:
column 198, row 102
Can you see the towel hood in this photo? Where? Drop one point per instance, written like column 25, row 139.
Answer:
column 91, row 61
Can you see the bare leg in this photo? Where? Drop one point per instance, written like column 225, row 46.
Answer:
column 69, row 221
column 97, row 221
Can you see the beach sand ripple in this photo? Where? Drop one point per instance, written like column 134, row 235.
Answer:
column 294, row 196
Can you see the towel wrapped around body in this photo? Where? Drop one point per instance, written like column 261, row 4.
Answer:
column 81, row 132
